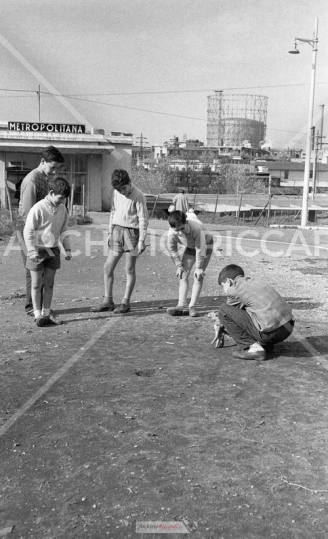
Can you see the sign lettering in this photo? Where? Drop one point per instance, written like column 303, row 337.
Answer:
column 46, row 128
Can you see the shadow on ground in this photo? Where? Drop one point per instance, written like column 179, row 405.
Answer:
column 147, row 308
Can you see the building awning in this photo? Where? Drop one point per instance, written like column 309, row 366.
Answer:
column 67, row 147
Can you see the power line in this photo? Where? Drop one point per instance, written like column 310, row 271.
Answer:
column 133, row 108
column 13, row 90
column 165, row 91
column 15, row 96
column 157, row 112
column 194, row 91
column 49, row 94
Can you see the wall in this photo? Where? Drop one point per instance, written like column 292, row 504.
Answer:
column 95, row 177
column 3, row 196
column 121, row 157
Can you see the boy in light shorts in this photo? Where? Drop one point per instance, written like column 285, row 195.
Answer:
column 46, row 224
column 127, row 228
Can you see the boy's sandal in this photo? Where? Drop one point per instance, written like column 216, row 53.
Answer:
column 41, row 321
column 122, row 309
column 193, row 312
column 53, row 320
column 178, row 311
column 104, row 306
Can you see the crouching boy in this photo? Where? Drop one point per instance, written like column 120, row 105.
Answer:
column 255, row 315
column 46, row 224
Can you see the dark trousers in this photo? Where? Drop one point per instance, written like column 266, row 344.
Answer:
column 241, row 328
column 28, row 279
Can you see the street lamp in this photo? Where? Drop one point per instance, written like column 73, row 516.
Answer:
column 313, row 42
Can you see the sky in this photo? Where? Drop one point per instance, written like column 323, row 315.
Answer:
column 147, row 66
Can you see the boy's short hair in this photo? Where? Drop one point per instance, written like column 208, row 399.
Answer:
column 119, row 178
column 230, row 272
column 50, row 153
column 177, row 218
column 59, row 186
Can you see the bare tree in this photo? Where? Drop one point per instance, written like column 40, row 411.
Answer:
column 234, row 179
column 155, row 181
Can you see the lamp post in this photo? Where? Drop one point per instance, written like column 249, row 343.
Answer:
column 313, row 42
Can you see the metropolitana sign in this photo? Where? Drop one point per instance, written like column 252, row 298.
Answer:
column 46, row 128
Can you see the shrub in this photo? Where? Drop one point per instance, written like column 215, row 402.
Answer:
column 7, row 226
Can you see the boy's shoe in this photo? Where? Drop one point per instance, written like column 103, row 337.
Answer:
column 104, row 306
column 268, row 347
column 52, row 319
column 255, row 351
column 179, row 310
column 123, row 308
column 193, row 312
column 42, row 321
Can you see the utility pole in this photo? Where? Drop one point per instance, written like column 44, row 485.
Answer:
column 315, row 163
column 321, row 128
column 318, row 145
column 39, row 100
column 314, row 45
column 142, row 141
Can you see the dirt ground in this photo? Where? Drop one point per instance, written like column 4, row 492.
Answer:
column 107, row 421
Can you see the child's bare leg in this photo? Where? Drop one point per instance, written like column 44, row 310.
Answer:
column 130, row 270
column 49, row 280
column 109, row 268
column 198, row 283
column 37, row 282
column 187, row 262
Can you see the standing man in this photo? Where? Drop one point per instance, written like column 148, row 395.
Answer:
column 127, row 228
column 33, row 189
column 180, row 201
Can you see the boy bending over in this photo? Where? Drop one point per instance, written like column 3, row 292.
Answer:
column 46, row 223
column 127, row 228
column 255, row 315
column 198, row 248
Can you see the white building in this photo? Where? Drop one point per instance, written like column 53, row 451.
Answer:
column 90, row 157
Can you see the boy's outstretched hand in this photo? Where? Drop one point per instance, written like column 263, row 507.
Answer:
column 220, row 332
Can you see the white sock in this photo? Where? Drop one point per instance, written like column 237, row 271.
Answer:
column 45, row 312
column 183, row 292
column 37, row 313
column 256, row 347
column 195, row 293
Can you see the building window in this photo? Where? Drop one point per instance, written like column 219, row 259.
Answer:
column 286, row 175
column 77, row 173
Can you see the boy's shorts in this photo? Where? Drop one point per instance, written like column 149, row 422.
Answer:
column 192, row 252
column 123, row 239
column 50, row 259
